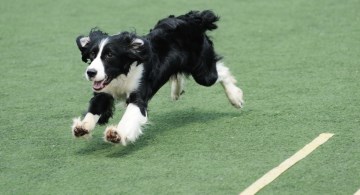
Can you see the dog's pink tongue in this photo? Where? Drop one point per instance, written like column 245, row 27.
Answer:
column 98, row 85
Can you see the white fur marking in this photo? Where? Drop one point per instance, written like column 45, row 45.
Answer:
column 234, row 94
column 123, row 85
column 129, row 127
column 90, row 120
column 88, row 123
column 76, row 123
column 97, row 64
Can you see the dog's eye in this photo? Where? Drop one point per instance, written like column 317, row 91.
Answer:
column 92, row 55
column 108, row 55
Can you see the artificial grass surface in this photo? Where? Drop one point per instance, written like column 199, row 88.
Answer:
column 297, row 62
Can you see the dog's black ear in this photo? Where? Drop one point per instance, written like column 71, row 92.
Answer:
column 137, row 48
column 82, row 41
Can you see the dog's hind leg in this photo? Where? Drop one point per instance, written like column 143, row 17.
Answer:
column 177, row 86
column 227, row 80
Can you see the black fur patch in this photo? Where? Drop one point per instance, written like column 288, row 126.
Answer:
column 102, row 104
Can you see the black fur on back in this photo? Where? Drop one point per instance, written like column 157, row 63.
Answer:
column 180, row 44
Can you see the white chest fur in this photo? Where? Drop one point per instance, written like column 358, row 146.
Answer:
column 121, row 87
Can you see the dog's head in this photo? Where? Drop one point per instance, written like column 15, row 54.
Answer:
column 109, row 56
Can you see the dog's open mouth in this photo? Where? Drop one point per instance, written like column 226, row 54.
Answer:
column 99, row 85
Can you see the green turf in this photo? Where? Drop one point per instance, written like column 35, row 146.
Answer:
column 297, row 62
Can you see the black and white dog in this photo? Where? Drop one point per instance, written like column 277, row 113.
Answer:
column 133, row 68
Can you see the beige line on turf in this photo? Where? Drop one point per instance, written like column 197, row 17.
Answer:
column 357, row 192
column 275, row 172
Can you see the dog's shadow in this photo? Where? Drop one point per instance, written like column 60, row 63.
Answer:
column 166, row 121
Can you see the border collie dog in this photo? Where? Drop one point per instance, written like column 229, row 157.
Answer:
column 131, row 68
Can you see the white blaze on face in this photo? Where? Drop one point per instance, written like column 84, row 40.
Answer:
column 97, row 64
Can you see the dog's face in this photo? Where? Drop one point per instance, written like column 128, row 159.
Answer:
column 109, row 56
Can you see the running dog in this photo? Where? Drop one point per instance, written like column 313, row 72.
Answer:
column 132, row 68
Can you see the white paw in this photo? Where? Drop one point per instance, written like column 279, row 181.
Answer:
column 129, row 134
column 78, row 128
column 176, row 96
column 235, row 96
column 129, row 127
column 227, row 80
column 111, row 135
column 114, row 135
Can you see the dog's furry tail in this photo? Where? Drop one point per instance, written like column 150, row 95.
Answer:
column 205, row 20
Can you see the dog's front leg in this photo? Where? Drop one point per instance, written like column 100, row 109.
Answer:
column 129, row 127
column 100, row 110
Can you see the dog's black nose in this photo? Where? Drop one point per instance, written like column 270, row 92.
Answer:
column 91, row 72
